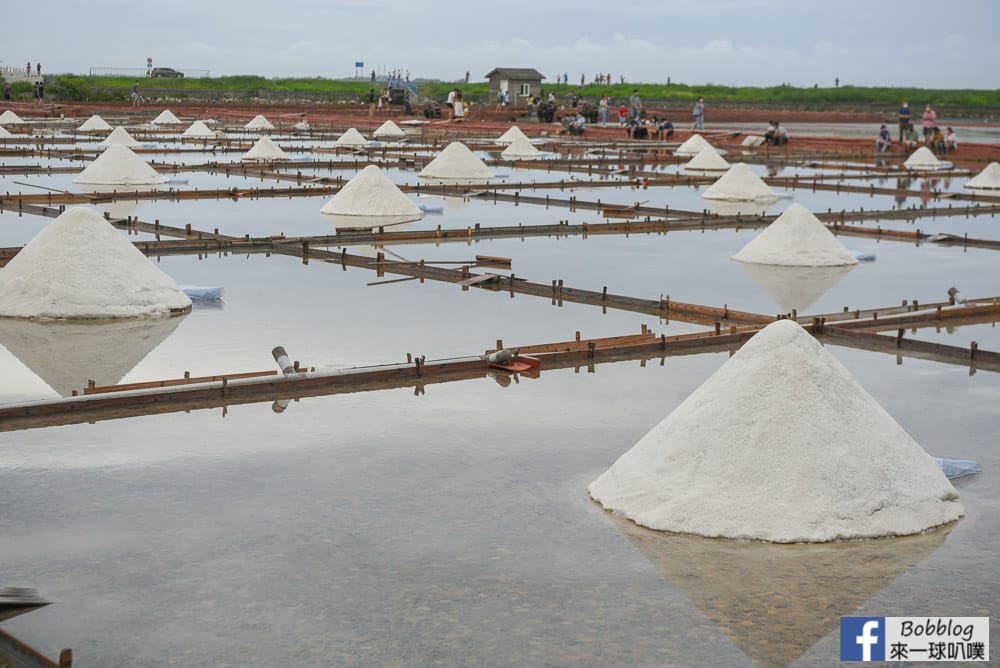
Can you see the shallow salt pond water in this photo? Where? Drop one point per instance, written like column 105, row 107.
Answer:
column 453, row 527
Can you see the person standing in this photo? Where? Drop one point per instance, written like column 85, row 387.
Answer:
column 904, row 118
column 6, row 90
column 635, row 104
column 603, row 106
column 29, row 68
column 466, row 76
column 371, row 100
column 930, row 121
column 699, row 114
column 451, row 103
column 38, row 69
column 135, row 94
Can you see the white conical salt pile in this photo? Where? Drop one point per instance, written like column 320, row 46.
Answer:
column 198, row 130
column 708, row 159
column 258, row 122
column 520, row 147
column 508, row 137
column 988, row 179
column 4, row 133
column 352, row 138
column 93, row 123
column 796, row 239
column 389, row 130
column 80, row 266
column 780, row 444
column 119, row 136
column 265, row 150
column 8, row 117
column 371, row 193
column 166, row 117
column 68, row 353
column 118, row 165
column 740, row 183
column 923, row 159
column 456, row 161
column 692, row 147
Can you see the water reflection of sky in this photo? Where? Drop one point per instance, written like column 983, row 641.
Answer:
column 452, row 527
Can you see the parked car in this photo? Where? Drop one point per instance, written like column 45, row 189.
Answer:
column 167, row 72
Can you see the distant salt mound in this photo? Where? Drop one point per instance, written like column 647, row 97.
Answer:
column 4, row 133
column 389, row 130
column 457, row 162
column 118, row 165
column 8, row 117
column 198, row 130
column 166, row 117
column 352, row 138
column 265, row 150
column 520, row 147
column 258, row 122
column 740, row 183
column 988, row 179
column 708, row 159
column 692, row 147
column 79, row 266
column 119, row 136
column 93, row 124
column 780, row 444
column 796, row 239
column 923, row 159
column 372, row 193
column 507, row 138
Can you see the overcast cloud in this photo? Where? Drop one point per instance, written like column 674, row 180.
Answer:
column 743, row 42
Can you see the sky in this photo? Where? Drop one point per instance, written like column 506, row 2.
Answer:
column 918, row 43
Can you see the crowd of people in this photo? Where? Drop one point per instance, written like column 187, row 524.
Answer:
column 940, row 142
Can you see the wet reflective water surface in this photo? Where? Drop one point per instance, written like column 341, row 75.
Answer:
column 451, row 525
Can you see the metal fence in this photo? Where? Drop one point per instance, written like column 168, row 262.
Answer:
column 140, row 72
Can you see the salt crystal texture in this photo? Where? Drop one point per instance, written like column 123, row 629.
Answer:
column 507, row 138
column 265, row 150
column 198, row 130
column 923, row 159
column 707, row 159
column 79, row 266
column 93, row 123
column 988, row 179
column 166, row 117
column 372, row 193
column 389, row 130
column 520, row 147
column 740, row 183
column 118, row 165
column 352, row 138
column 456, row 161
column 258, row 122
column 780, row 444
column 796, row 239
column 692, row 147
column 119, row 136
column 8, row 117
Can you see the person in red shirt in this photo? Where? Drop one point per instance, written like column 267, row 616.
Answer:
column 622, row 115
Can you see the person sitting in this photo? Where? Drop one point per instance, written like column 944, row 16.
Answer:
column 769, row 134
column 936, row 141
column 910, row 138
column 780, row 136
column 578, row 126
column 950, row 141
column 635, row 129
column 665, row 129
column 884, row 140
